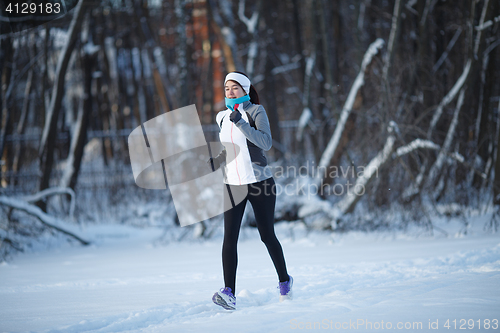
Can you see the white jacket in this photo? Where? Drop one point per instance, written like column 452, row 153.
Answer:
column 244, row 145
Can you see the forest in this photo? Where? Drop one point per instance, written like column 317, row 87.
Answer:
column 396, row 99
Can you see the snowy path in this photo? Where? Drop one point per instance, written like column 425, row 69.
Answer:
column 349, row 282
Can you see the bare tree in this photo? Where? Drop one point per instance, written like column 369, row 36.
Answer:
column 79, row 137
column 46, row 151
column 346, row 110
column 251, row 24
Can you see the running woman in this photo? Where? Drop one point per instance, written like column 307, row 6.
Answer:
column 245, row 124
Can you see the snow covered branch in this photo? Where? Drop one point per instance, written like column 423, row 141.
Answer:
column 362, row 10
column 304, row 119
column 447, row 142
column 51, row 191
column 481, row 22
column 448, row 49
column 285, row 68
column 306, row 115
column 251, row 24
column 449, row 97
column 310, row 61
column 44, row 218
column 429, row 5
column 409, row 6
column 427, row 144
column 488, row 24
column 348, row 203
column 415, row 187
column 346, row 111
column 415, row 144
column 354, row 193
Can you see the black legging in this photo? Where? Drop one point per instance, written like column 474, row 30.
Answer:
column 262, row 196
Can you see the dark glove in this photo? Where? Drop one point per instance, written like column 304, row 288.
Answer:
column 216, row 164
column 235, row 116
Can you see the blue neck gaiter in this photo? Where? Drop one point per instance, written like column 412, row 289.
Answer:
column 231, row 102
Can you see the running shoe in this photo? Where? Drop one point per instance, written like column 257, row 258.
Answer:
column 286, row 289
column 225, row 298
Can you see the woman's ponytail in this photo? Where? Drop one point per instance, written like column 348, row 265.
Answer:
column 254, row 97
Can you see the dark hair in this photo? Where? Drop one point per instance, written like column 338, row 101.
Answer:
column 254, row 97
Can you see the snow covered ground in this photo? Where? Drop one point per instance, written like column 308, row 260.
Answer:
column 128, row 282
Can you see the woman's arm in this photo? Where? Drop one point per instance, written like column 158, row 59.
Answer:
column 221, row 158
column 261, row 136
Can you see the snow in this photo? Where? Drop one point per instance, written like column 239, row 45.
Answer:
column 129, row 281
column 46, row 219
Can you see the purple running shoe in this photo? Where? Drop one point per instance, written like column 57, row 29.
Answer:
column 286, row 289
column 225, row 298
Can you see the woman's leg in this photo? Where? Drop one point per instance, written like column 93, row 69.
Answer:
column 262, row 196
column 232, row 223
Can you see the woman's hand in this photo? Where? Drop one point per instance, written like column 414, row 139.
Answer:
column 216, row 164
column 235, row 116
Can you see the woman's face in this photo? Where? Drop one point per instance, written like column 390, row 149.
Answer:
column 233, row 90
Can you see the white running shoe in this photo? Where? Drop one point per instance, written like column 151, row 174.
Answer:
column 225, row 298
column 286, row 289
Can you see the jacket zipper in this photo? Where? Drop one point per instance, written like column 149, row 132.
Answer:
column 235, row 157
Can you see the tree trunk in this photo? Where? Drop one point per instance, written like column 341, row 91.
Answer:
column 269, row 91
column 327, row 56
column 6, row 80
column 392, row 42
column 298, row 37
column 79, row 138
column 150, row 43
column 46, row 151
column 227, row 38
column 22, row 122
column 181, row 50
column 271, row 106
column 496, row 182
